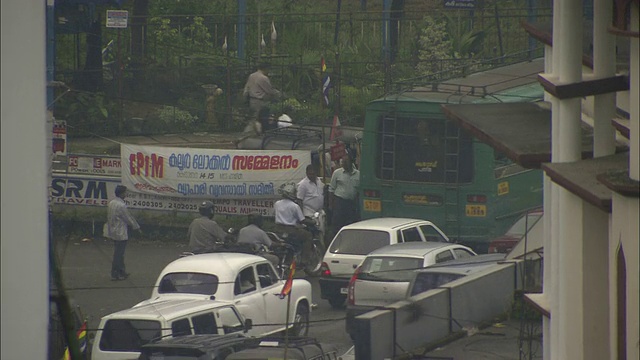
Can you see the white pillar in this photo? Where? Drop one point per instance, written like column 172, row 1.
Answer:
column 634, row 95
column 569, row 315
column 552, row 216
column 25, row 291
column 595, row 294
column 548, row 275
column 604, row 65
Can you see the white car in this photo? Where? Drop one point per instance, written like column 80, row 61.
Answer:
column 353, row 242
column 385, row 274
column 248, row 281
column 122, row 334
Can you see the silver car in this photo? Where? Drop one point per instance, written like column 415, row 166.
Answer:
column 385, row 274
column 353, row 242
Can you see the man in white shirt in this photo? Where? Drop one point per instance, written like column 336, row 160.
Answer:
column 118, row 218
column 311, row 192
column 289, row 219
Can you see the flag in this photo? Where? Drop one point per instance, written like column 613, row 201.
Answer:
column 335, row 128
column 286, row 289
column 82, row 341
column 326, row 81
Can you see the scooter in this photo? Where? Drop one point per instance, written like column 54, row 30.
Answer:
column 288, row 250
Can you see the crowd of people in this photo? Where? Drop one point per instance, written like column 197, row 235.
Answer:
column 299, row 201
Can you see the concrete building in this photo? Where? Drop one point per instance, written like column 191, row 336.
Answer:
column 590, row 297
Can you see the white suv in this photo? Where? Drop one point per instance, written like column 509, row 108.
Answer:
column 353, row 242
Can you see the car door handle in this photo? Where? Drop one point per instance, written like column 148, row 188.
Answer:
column 265, row 294
column 237, row 302
column 335, row 261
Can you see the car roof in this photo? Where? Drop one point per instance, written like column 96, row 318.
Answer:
column 167, row 309
column 201, row 341
column 224, row 265
column 465, row 266
column 386, row 223
column 416, row 249
column 473, row 261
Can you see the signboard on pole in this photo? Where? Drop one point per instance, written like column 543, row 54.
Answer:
column 59, row 137
column 117, row 19
column 97, row 165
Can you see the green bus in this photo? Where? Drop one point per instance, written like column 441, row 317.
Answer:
column 417, row 164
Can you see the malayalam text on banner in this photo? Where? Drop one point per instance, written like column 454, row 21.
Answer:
column 211, row 173
column 98, row 191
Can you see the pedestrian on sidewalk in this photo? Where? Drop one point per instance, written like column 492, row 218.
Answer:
column 116, row 229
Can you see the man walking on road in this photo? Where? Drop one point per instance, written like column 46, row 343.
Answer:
column 118, row 218
column 344, row 185
column 258, row 89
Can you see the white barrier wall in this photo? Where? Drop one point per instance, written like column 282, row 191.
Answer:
column 431, row 316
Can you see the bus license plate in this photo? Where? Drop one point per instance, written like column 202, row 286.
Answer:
column 372, row 205
column 476, row 210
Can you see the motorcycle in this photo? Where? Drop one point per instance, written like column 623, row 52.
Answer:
column 288, row 250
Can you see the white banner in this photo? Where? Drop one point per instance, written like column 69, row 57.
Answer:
column 98, row 191
column 94, row 165
column 211, row 173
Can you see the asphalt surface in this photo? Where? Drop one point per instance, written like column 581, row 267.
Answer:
column 86, row 263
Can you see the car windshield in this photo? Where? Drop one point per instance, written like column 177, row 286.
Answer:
column 430, row 280
column 128, row 335
column 189, row 283
column 389, row 268
column 358, row 242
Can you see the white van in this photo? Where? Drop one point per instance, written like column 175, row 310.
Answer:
column 122, row 334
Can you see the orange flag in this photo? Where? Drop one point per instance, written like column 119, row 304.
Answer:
column 286, row 289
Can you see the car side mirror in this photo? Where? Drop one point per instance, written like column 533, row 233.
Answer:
column 248, row 325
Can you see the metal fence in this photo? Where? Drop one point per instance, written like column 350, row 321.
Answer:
column 166, row 80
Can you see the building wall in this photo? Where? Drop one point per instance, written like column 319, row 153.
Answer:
column 25, row 292
column 625, row 234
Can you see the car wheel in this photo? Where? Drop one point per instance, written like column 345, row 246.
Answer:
column 337, row 301
column 300, row 325
column 314, row 268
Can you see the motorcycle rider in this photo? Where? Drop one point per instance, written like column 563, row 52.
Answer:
column 289, row 218
column 254, row 235
column 204, row 233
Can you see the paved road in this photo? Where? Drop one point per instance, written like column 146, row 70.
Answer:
column 86, row 266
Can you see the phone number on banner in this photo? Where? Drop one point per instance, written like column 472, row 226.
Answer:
column 98, row 191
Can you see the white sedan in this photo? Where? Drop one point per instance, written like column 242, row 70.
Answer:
column 250, row 282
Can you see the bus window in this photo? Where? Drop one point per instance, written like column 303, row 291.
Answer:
column 423, row 150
